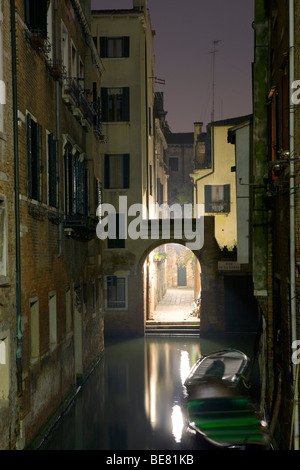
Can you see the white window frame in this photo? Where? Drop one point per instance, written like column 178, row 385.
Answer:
column 74, row 61
column 65, row 46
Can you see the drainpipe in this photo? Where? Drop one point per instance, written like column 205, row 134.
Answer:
column 17, row 201
column 292, row 214
column 58, row 133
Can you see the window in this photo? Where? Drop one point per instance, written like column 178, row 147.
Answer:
column 76, row 184
column 116, row 171
column 52, row 169
column 34, row 158
column 117, row 239
column 73, row 61
column 64, row 46
column 81, row 73
column 49, row 29
column 3, row 237
column 36, row 15
column 116, row 292
column 114, row 47
column 115, row 104
column 217, row 198
column 173, row 163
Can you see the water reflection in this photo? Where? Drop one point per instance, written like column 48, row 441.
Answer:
column 132, row 401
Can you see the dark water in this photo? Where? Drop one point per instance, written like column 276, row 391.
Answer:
column 132, row 400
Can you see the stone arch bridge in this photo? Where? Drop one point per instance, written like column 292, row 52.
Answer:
column 127, row 264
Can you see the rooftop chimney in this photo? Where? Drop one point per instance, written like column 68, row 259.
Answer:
column 197, row 129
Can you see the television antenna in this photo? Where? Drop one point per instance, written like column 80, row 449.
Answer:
column 214, row 55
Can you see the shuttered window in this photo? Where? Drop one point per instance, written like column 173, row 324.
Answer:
column 114, row 47
column 217, row 198
column 33, row 158
column 52, row 171
column 115, row 104
column 76, row 186
column 116, row 171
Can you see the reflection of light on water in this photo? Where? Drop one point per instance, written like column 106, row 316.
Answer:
column 177, row 422
column 184, row 365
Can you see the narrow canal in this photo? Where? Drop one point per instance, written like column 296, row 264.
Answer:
column 132, row 400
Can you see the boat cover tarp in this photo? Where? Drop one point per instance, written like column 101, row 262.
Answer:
column 227, row 421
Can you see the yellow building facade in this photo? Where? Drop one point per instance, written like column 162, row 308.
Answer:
column 215, row 185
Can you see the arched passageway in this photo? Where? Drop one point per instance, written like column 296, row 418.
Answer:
column 172, row 284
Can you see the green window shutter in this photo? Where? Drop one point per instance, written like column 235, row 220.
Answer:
column 29, row 156
column 207, row 198
column 38, row 161
column 106, row 171
column 35, row 160
column 104, row 104
column 126, row 171
column 103, row 47
column 86, row 191
column 125, row 105
column 227, row 197
column 52, row 171
column 126, row 42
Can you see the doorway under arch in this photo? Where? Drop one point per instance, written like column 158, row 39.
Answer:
column 172, row 284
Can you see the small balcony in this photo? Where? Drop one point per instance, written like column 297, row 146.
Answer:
column 56, row 69
column 78, row 227
column 38, row 42
column 76, row 99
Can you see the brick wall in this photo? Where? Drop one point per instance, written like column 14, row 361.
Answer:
column 51, row 262
column 9, row 419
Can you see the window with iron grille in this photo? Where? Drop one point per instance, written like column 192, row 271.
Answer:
column 115, row 292
column 33, row 158
column 76, row 186
column 217, row 198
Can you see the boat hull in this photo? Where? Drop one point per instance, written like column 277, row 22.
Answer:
column 218, row 407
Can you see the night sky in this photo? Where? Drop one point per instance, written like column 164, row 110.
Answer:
column 185, row 32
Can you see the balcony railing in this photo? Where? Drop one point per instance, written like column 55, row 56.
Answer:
column 37, row 39
column 75, row 96
column 80, row 227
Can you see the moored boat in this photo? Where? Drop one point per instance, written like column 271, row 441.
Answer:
column 218, row 407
